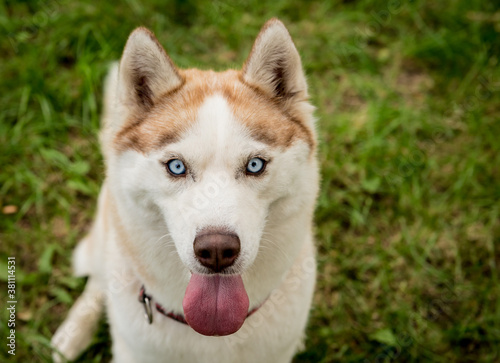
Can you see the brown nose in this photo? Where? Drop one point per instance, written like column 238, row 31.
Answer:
column 216, row 250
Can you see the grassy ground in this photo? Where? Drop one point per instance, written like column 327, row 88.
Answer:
column 408, row 224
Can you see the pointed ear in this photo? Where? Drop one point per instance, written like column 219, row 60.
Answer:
column 146, row 71
column 274, row 64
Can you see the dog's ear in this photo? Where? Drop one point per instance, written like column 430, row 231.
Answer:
column 274, row 64
column 146, row 71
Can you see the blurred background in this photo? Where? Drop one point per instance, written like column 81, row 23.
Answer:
column 408, row 229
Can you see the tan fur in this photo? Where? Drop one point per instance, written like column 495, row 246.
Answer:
column 129, row 249
column 165, row 123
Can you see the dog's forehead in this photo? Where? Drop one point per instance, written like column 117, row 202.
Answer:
column 212, row 97
column 216, row 124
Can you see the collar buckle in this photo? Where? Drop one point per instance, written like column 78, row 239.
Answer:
column 146, row 301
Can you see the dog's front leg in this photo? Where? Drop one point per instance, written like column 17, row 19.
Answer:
column 76, row 332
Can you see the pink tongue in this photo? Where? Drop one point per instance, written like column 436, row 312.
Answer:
column 215, row 304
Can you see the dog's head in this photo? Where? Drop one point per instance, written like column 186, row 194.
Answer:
column 211, row 162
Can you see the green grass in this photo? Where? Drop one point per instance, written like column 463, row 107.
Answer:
column 408, row 229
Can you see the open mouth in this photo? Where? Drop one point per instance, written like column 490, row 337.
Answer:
column 216, row 304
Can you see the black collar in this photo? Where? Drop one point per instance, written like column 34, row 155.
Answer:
column 146, row 299
column 148, row 312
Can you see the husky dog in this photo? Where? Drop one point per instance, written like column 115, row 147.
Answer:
column 202, row 247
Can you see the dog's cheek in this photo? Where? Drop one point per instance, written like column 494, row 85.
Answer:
column 250, row 223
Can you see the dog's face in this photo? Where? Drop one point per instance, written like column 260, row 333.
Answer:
column 217, row 178
column 207, row 159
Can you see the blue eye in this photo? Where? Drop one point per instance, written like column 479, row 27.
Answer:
column 255, row 166
column 176, row 167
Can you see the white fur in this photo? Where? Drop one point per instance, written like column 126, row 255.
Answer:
column 160, row 216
